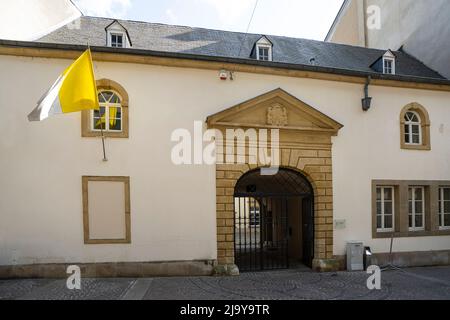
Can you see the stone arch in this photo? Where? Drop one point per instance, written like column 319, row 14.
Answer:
column 277, row 212
column 304, row 146
column 86, row 121
column 107, row 84
column 315, row 166
column 295, row 169
column 425, row 127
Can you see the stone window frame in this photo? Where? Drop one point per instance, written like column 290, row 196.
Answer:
column 86, row 115
column 85, row 196
column 401, row 211
column 425, row 144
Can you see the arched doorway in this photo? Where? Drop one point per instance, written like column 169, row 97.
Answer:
column 273, row 220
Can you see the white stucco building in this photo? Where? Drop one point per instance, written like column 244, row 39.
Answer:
column 346, row 174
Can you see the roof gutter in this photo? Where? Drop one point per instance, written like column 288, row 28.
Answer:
column 239, row 61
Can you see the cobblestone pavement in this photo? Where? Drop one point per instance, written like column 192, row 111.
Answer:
column 416, row 283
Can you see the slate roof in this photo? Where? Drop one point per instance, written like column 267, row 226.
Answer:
column 216, row 43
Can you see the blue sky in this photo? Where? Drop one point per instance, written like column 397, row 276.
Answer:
column 309, row 19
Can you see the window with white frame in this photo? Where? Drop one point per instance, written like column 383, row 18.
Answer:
column 385, row 209
column 416, row 200
column 388, row 65
column 413, row 128
column 109, row 116
column 117, row 40
column 264, row 53
column 444, row 208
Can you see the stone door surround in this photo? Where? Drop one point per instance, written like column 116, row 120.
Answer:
column 305, row 146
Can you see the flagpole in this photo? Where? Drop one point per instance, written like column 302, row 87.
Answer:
column 103, row 138
column 101, row 123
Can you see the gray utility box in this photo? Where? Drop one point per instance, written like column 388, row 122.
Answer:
column 355, row 254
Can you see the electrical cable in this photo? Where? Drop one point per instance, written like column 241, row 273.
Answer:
column 248, row 28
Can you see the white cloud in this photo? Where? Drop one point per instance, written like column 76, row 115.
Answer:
column 104, row 8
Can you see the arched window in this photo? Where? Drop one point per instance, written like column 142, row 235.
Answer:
column 109, row 116
column 415, row 128
column 112, row 117
column 413, row 131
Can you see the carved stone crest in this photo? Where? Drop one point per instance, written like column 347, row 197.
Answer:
column 277, row 115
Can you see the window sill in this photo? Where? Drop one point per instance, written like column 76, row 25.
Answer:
column 411, row 234
column 416, row 147
column 111, row 241
column 106, row 134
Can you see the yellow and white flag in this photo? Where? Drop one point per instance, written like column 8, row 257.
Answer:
column 75, row 90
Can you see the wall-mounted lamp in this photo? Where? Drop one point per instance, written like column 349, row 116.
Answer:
column 366, row 101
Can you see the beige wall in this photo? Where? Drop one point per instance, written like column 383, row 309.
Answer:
column 349, row 28
column 106, row 210
column 31, row 19
column 173, row 207
column 421, row 26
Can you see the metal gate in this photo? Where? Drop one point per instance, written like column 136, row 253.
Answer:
column 261, row 233
column 261, row 224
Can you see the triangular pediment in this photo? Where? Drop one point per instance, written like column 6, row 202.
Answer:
column 117, row 26
column 275, row 109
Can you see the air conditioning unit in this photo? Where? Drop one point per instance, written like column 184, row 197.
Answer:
column 355, row 256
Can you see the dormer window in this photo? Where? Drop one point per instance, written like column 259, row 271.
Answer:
column 385, row 64
column 117, row 36
column 389, row 63
column 263, row 49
